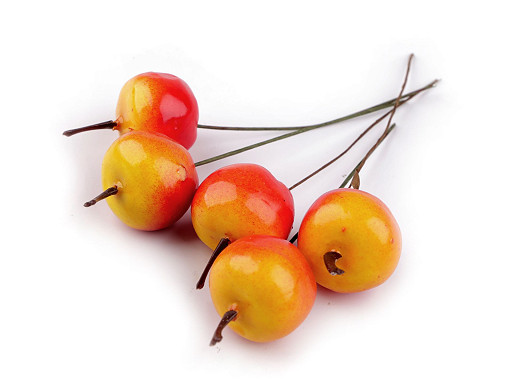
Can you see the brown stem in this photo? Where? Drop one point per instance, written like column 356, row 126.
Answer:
column 228, row 317
column 356, row 180
column 103, row 195
column 358, row 138
column 223, row 243
column 342, row 153
column 349, row 177
column 105, row 125
column 330, row 263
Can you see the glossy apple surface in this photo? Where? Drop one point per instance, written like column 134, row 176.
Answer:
column 268, row 282
column 155, row 176
column 241, row 200
column 160, row 103
column 360, row 228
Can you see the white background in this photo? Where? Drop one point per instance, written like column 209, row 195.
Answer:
column 85, row 299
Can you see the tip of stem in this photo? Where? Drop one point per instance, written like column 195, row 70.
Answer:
column 103, row 195
column 200, row 285
column 110, row 124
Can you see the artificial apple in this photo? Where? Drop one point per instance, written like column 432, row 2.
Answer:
column 263, row 287
column 351, row 240
column 149, row 180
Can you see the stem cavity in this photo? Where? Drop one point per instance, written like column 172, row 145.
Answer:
column 105, row 125
column 103, row 195
column 223, row 243
column 330, row 263
column 226, row 319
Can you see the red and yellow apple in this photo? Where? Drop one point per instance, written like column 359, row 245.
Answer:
column 241, row 200
column 267, row 286
column 157, row 103
column 155, row 179
column 351, row 240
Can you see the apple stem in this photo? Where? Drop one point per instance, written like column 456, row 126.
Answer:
column 351, row 174
column 106, row 193
column 226, row 319
column 105, row 125
column 294, row 237
column 342, row 153
column 330, row 263
column 302, row 129
column 389, row 113
column 362, row 112
column 223, row 243
column 355, row 180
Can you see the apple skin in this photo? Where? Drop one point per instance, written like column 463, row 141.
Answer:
column 241, row 200
column 155, row 176
column 358, row 226
column 268, row 282
column 158, row 103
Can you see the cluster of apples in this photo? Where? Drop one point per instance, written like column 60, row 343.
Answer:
column 261, row 284
column 148, row 171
